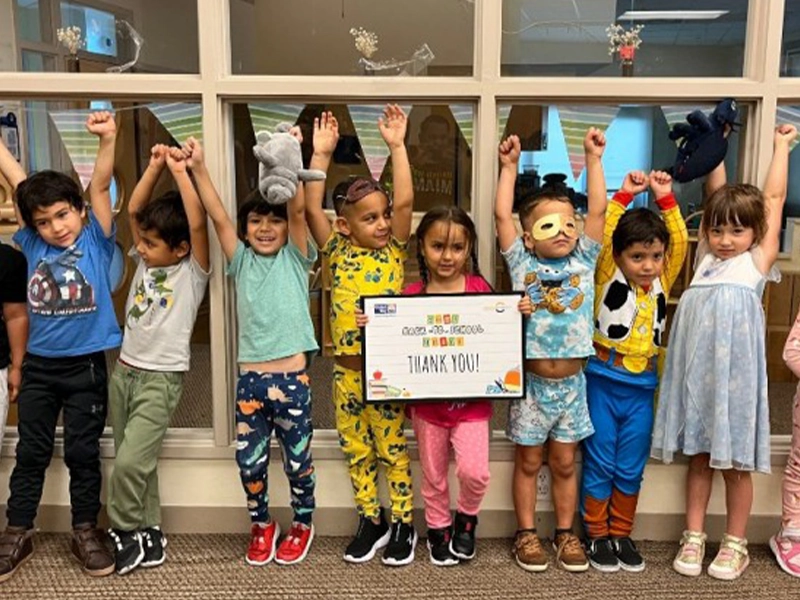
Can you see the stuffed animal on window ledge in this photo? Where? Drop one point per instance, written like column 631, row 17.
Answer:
column 704, row 141
column 280, row 165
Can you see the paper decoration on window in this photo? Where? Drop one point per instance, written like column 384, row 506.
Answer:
column 181, row 119
column 81, row 145
column 265, row 117
column 676, row 113
column 790, row 115
column 465, row 117
column 575, row 120
column 365, row 120
column 502, row 120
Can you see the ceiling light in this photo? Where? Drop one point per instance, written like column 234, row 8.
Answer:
column 672, row 15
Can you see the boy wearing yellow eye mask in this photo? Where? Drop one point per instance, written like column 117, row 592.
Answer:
column 555, row 266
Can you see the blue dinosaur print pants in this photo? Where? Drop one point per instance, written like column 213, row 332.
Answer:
column 279, row 401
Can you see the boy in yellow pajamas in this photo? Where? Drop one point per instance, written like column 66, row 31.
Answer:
column 365, row 253
column 641, row 258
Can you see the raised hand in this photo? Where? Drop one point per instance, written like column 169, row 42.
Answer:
column 176, row 160
column 158, row 156
column 594, row 143
column 785, row 134
column 635, row 182
column 393, row 125
column 660, row 183
column 101, row 124
column 326, row 134
column 509, row 151
column 194, row 154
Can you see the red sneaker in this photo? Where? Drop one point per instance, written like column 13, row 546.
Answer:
column 295, row 545
column 262, row 543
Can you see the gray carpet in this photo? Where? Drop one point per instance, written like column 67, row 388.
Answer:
column 212, row 566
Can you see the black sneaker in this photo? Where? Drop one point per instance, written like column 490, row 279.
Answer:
column 463, row 542
column 439, row 548
column 400, row 550
column 601, row 555
column 369, row 538
column 627, row 554
column 154, row 542
column 128, row 550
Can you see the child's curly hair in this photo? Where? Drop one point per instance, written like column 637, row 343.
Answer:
column 741, row 204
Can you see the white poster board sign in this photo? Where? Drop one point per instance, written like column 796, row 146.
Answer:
column 442, row 347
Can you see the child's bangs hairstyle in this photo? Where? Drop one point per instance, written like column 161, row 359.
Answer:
column 166, row 216
column 553, row 192
column 45, row 188
column 255, row 203
column 351, row 191
column 639, row 225
column 448, row 215
column 742, row 204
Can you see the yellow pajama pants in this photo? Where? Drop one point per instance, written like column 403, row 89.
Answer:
column 370, row 433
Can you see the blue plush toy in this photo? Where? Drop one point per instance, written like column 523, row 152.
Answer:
column 280, row 165
column 703, row 141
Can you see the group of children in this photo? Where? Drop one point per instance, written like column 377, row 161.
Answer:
column 594, row 306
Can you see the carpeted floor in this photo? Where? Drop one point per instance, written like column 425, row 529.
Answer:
column 211, row 566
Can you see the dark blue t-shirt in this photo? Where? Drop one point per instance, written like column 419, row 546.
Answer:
column 69, row 293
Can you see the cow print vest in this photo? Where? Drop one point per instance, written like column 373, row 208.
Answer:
column 617, row 311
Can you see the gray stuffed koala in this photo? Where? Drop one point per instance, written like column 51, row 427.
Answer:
column 280, row 165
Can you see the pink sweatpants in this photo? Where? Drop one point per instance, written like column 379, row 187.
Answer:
column 791, row 476
column 470, row 441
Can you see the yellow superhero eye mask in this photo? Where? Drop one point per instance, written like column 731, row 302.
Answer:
column 550, row 226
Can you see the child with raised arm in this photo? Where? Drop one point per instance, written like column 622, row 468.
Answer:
column 786, row 543
column 713, row 405
column 72, row 323
column 554, row 265
column 269, row 257
column 365, row 256
column 170, row 248
column 641, row 258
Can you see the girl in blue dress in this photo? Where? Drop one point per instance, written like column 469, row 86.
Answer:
column 713, row 404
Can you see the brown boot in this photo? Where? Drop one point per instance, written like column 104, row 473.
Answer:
column 16, row 546
column 90, row 546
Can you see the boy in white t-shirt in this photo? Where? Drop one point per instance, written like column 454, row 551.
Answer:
column 170, row 248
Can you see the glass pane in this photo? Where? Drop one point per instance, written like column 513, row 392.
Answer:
column 313, row 37
column 52, row 138
column 569, row 38
column 36, row 62
column 790, row 45
column 29, row 27
column 141, row 36
column 439, row 143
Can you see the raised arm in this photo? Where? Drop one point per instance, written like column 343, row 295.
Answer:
column 326, row 136
column 594, row 144
column 296, row 209
column 393, row 126
column 102, row 125
column 14, row 174
column 143, row 191
column 661, row 184
column 509, row 152
column 225, row 228
column 195, row 214
column 635, row 182
column 775, row 195
column 715, row 180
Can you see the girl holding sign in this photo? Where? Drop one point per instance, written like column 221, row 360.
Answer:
column 447, row 255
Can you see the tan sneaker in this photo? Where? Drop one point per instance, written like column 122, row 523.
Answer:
column 689, row 560
column 90, row 547
column 16, row 546
column 570, row 555
column 731, row 560
column 528, row 551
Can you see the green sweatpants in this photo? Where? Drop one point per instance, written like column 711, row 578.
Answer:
column 141, row 404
